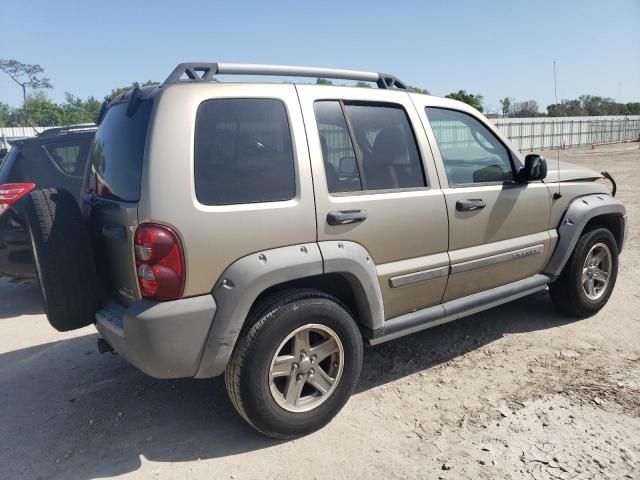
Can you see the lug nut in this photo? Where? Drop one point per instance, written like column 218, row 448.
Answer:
column 311, row 371
column 299, row 377
column 313, row 359
column 295, row 366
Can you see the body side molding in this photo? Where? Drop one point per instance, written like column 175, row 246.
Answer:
column 579, row 212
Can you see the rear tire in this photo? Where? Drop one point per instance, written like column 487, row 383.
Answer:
column 62, row 255
column 580, row 291
column 273, row 386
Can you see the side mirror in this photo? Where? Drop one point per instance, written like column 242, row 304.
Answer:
column 535, row 168
column 348, row 166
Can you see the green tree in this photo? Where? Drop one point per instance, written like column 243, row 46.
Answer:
column 362, row 84
column 75, row 110
column 5, row 114
column 469, row 98
column 506, row 103
column 117, row 91
column 419, row 90
column 323, row 81
column 39, row 112
column 27, row 76
column 528, row 108
column 633, row 108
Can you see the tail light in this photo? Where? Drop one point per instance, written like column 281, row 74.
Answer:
column 159, row 262
column 10, row 193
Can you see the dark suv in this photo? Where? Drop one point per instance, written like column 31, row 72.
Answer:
column 55, row 158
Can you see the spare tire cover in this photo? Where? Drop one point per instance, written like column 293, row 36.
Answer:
column 62, row 255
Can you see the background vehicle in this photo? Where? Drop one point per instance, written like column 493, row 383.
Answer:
column 55, row 158
column 266, row 231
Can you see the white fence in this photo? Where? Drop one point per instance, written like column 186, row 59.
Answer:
column 20, row 132
column 525, row 134
column 540, row 133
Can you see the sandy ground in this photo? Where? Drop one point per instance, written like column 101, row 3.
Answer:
column 515, row 392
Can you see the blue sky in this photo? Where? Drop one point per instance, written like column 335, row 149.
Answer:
column 495, row 48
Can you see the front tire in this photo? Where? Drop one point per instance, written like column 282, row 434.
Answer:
column 296, row 365
column 588, row 278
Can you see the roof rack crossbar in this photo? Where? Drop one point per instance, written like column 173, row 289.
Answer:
column 204, row 72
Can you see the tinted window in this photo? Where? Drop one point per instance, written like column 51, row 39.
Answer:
column 68, row 156
column 470, row 151
column 117, row 151
column 339, row 158
column 385, row 148
column 243, row 152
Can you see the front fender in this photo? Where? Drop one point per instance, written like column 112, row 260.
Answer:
column 578, row 214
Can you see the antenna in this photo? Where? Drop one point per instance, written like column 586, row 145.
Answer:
column 556, row 195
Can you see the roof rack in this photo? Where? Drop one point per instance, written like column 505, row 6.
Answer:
column 52, row 132
column 204, row 72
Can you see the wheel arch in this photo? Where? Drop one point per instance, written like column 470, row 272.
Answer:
column 342, row 269
column 584, row 214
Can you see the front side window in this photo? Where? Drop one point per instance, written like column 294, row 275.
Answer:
column 243, row 152
column 368, row 147
column 471, row 153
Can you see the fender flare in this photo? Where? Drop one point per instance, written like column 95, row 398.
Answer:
column 244, row 280
column 578, row 214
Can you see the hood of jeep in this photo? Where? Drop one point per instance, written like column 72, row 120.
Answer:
column 569, row 172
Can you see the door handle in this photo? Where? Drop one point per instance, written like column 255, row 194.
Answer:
column 346, row 217
column 470, row 205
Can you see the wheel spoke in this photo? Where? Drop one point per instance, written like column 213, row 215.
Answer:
column 282, row 366
column 585, row 275
column 326, row 348
column 321, row 381
column 301, row 342
column 601, row 275
column 591, row 287
column 599, row 257
column 293, row 389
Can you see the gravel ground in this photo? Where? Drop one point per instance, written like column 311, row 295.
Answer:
column 515, row 392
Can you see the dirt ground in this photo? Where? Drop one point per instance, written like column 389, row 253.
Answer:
column 515, row 392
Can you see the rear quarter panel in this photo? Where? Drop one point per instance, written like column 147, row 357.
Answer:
column 213, row 237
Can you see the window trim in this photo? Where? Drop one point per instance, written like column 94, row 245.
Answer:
column 256, row 204
column 372, row 103
column 473, row 184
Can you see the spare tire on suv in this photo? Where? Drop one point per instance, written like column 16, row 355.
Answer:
column 62, row 255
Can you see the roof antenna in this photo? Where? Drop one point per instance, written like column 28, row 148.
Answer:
column 556, row 195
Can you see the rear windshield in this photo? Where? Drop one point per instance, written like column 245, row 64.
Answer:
column 117, row 152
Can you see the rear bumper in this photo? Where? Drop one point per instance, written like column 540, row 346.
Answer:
column 163, row 339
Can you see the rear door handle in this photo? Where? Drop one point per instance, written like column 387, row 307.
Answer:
column 346, row 217
column 470, row 204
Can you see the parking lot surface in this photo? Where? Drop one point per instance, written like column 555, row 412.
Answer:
column 515, row 392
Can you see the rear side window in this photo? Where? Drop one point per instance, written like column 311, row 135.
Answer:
column 368, row 147
column 69, row 157
column 117, row 151
column 243, row 152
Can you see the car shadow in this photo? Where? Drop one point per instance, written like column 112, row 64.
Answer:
column 19, row 298
column 70, row 413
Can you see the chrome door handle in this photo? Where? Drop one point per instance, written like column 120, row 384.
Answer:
column 346, row 217
column 470, row 205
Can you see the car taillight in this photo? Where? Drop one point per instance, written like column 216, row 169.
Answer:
column 10, row 193
column 159, row 262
